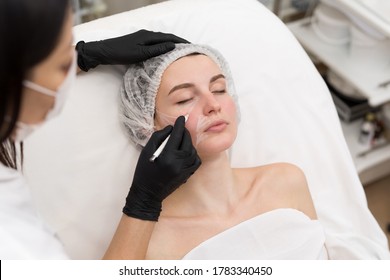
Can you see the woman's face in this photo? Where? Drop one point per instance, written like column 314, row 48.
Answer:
column 50, row 73
column 194, row 86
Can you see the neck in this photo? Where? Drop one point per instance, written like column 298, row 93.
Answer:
column 212, row 188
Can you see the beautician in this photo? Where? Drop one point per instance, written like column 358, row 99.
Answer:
column 37, row 67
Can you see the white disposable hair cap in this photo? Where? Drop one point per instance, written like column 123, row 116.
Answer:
column 142, row 80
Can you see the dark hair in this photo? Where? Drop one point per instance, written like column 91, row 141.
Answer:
column 29, row 32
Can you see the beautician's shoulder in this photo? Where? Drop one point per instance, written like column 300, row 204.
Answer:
column 23, row 235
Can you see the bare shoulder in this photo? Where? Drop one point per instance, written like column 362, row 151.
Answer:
column 282, row 172
column 286, row 185
column 289, row 173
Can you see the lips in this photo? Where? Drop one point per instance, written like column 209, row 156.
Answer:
column 216, row 126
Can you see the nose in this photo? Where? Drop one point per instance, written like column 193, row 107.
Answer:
column 211, row 104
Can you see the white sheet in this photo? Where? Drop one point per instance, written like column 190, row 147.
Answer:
column 80, row 166
column 280, row 234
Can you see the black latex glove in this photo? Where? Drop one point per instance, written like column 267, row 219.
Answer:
column 128, row 49
column 154, row 181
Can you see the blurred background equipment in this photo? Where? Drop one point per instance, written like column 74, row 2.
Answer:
column 86, row 10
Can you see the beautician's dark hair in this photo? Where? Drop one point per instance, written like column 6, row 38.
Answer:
column 29, row 32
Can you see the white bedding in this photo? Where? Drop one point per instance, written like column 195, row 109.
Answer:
column 280, row 234
column 80, row 165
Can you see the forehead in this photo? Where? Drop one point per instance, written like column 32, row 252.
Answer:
column 194, row 63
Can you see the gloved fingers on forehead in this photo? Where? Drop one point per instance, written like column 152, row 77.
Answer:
column 164, row 37
column 157, row 49
column 176, row 137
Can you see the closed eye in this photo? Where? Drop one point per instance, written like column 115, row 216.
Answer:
column 222, row 91
column 65, row 67
column 184, row 101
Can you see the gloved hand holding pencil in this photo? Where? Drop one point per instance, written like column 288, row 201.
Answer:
column 154, row 180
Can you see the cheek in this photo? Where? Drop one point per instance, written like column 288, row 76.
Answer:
column 229, row 107
column 229, row 112
column 162, row 121
column 49, row 75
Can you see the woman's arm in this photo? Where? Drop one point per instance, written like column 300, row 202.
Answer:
column 131, row 239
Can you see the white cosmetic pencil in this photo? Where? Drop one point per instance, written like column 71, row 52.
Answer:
column 163, row 144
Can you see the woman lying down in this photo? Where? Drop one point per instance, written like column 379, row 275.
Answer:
column 263, row 212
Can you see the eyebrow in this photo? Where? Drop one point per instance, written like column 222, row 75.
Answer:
column 190, row 85
column 185, row 85
column 216, row 77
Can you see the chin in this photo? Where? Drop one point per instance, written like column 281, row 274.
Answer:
column 214, row 145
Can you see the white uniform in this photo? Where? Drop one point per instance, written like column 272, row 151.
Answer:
column 23, row 235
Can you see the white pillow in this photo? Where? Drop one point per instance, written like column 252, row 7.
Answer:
column 80, row 166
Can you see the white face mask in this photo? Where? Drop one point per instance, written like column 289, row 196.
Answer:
column 23, row 130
